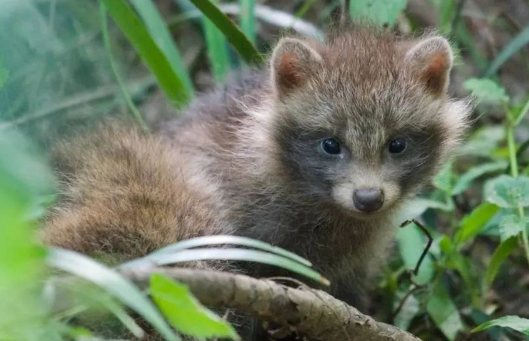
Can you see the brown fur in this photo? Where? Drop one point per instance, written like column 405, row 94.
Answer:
column 244, row 159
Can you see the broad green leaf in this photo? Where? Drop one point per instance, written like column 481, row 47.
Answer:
column 475, row 172
column 513, row 47
column 409, row 310
column 112, row 282
column 184, row 311
column 514, row 322
column 474, row 222
column 235, row 254
column 419, row 205
column 22, row 178
column 232, row 33
column 511, row 225
column 162, row 37
column 500, row 255
column 381, row 12
column 157, row 62
column 506, row 191
column 484, row 141
column 233, row 240
column 486, row 90
column 411, row 241
column 247, row 18
column 444, row 312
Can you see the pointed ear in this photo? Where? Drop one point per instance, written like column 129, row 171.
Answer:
column 432, row 59
column 291, row 64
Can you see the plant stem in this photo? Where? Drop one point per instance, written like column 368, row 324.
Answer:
column 514, row 172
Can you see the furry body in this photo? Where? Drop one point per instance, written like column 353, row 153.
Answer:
column 246, row 159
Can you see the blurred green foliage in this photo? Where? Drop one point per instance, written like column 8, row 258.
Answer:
column 55, row 72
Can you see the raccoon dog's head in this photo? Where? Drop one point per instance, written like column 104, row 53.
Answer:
column 363, row 121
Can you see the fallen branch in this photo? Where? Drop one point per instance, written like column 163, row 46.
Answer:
column 312, row 313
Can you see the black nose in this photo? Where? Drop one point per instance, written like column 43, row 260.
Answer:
column 368, row 199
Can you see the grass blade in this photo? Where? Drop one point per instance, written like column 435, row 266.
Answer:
column 305, row 8
column 162, row 37
column 247, row 18
column 138, row 35
column 237, row 39
column 239, row 255
column 512, row 321
column 113, row 283
column 510, row 50
column 234, row 240
column 500, row 255
column 113, row 66
column 217, row 50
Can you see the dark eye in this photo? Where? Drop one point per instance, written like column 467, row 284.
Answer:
column 331, row 146
column 397, row 146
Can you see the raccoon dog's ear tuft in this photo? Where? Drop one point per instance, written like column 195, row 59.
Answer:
column 292, row 62
column 432, row 59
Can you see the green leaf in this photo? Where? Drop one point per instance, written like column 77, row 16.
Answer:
column 233, row 254
column 22, row 178
column 514, row 322
column 457, row 261
column 185, row 312
column 411, row 241
column 381, row 12
column 511, row 225
column 466, row 179
column 506, row 191
column 474, row 222
column 444, row 312
column 162, row 37
column 409, row 310
column 500, row 255
column 484, row 141
column 112, row 282
column 486, row 90
column 443, row 180
column 234, row 35
column 106, row 40
column 140, row 38
column 217, row 50
column 419, row 205
column 513, row 47
column 233, row 240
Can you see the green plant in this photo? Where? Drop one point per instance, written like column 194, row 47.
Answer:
column 479, row 201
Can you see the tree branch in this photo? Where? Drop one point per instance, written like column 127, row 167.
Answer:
column 310, row 312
